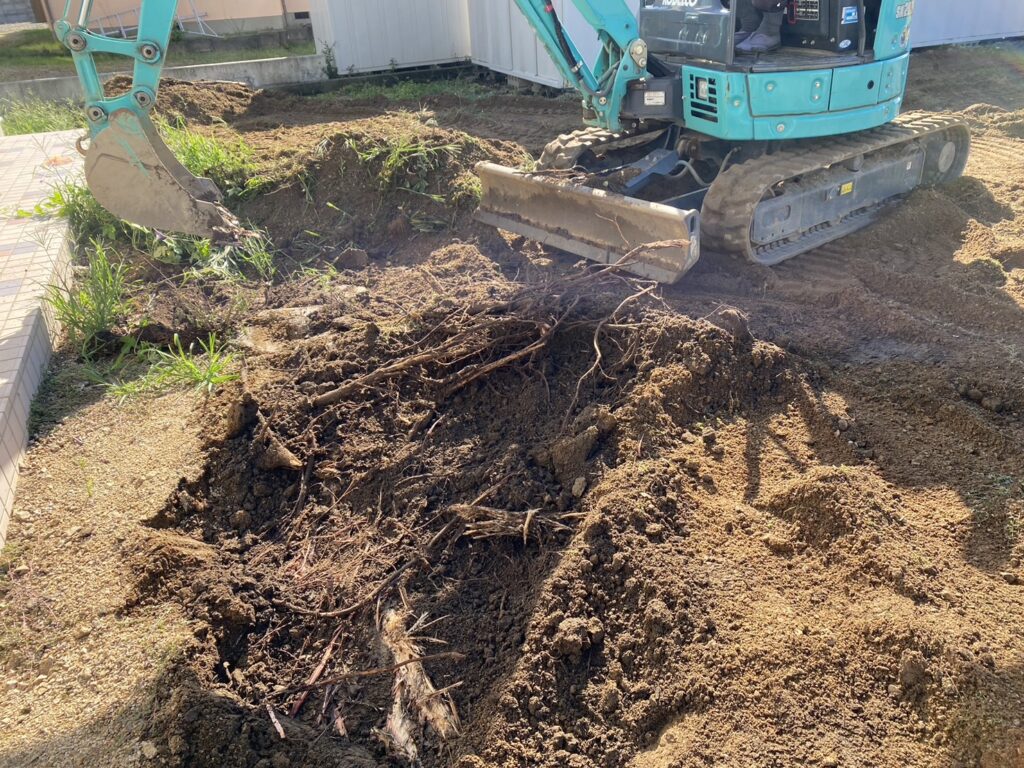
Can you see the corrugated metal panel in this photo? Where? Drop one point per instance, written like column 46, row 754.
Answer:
column 938, row 22
column 504, row 42
column 369, row 37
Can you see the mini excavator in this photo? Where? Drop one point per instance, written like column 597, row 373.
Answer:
column 699, row 140
column 696, row 138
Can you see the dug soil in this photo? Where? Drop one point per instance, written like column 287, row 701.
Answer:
column 472, row 504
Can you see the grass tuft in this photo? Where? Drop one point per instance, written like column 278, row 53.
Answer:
column 89, row 310
column 204, row 370
column 404, row 161
column 232, row 167
column 38, row 116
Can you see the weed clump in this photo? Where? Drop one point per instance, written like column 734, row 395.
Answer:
column 204, row 369
column 411, row 90
column 231, row 166
column 91, row 309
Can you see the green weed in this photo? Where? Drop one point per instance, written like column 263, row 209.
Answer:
column 89, row 221
column 89, row 310
column 232, row 167
column 467, row 189
column 92, row 223
column 38, row 116
column 404, row 161
column 252, row 257
column 204, row 370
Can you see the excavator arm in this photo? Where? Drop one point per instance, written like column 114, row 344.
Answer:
column 129, row 169
column 623, row 56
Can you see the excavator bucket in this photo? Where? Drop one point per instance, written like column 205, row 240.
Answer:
column 133, row 174
column 661, row 242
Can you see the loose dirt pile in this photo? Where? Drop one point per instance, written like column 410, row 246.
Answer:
column 471, row 505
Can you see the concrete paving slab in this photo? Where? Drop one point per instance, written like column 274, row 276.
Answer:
column 34, row 253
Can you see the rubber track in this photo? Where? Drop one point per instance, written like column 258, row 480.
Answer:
column 564, row 152
column 732, row 199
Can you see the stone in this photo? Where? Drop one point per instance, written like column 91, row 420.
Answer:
column 579, row 486
column 353, row 258
column 993, row 404
column 82, row 631
column 241, row 520
column 148, row 749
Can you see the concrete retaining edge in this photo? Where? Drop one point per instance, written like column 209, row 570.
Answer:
column 256, row 73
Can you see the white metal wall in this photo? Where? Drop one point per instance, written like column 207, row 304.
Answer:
column 504, row 42
column 939, row 22
column 373, row 36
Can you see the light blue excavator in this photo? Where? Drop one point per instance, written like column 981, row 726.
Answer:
column 759, row 139
column 129, row 169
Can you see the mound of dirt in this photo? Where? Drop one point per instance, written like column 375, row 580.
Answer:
column 832, row 502
column 374, row 182
column 473, row 506
column 493, row 386
column 205, row 103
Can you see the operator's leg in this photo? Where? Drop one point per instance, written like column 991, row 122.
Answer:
column 768, row 36
column 750, row 19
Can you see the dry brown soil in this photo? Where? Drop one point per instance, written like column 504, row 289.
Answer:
column 767, row 517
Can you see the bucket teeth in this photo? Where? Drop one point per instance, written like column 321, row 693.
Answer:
column 133, row 174
column 662, row 242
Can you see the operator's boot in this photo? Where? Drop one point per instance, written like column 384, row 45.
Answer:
column 750, row 19
column 768, row 36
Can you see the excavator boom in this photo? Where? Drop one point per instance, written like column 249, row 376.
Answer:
column 129, row 169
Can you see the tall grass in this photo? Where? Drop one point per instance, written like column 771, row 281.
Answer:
column 91, row 307
column 38, row 116
column 231, row 166
column 405, row 161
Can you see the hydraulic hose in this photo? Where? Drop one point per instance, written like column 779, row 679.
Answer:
column 563, row 44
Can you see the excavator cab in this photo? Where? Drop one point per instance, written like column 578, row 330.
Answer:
column 706, row 29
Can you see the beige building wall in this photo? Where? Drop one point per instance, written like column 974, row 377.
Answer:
column 226, row 16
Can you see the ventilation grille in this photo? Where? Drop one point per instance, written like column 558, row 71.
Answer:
column 807, row 10
column 704, row 109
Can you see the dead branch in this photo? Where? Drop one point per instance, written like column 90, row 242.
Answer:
column 453, row 655
column 276, row 722
column 413, row 687
column 315, row 675
column 489, row 523
column 349, row 610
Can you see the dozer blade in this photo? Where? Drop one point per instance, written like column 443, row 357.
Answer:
column 592, row 223
column 133, row 174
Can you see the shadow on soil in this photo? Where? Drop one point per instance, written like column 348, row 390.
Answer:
column 190, row 727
